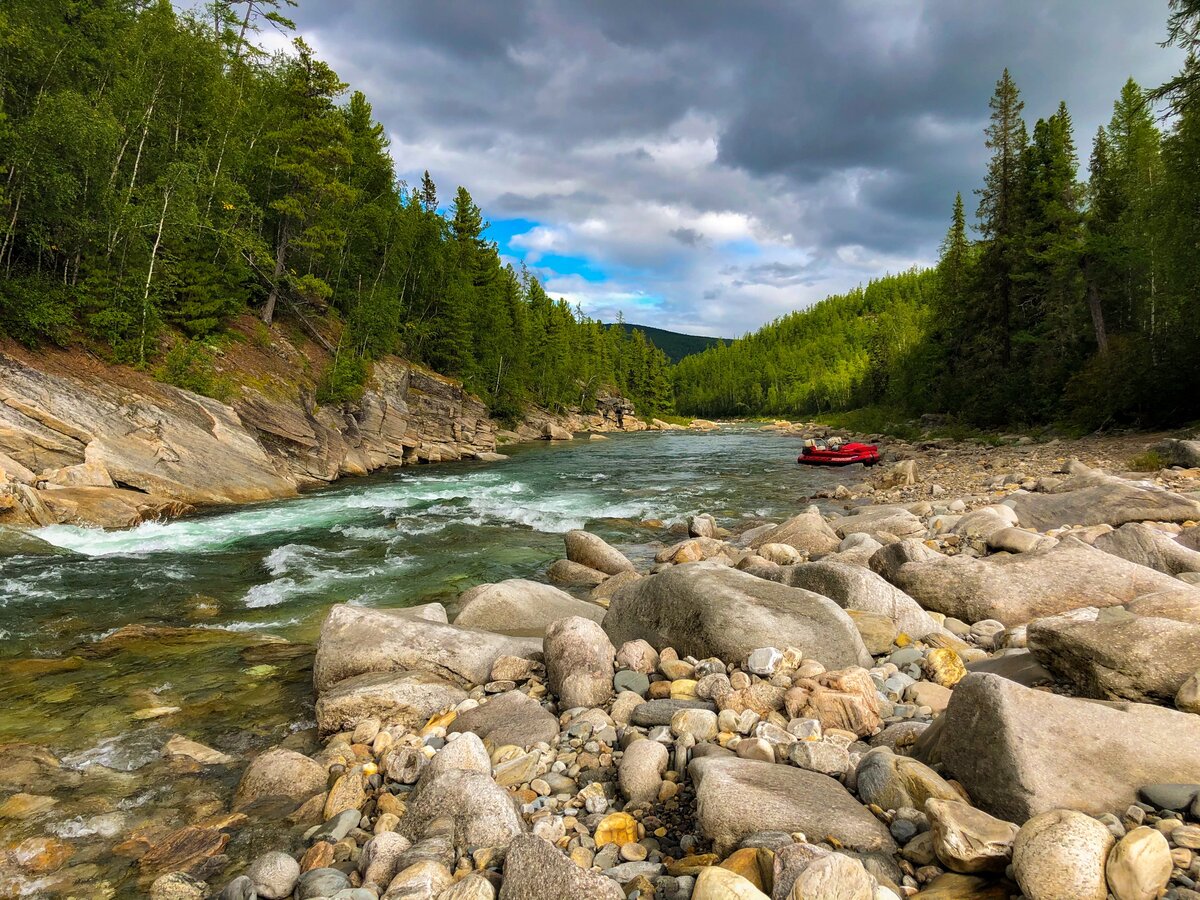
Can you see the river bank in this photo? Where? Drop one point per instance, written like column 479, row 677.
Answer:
column 111, row 814
column 83, row 442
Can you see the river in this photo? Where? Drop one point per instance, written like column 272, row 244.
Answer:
column 211, row 585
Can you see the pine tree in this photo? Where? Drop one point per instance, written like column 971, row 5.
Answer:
column 1000, row 206
column 428, row 193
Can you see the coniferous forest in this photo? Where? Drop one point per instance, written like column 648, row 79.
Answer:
column 1074, row 301
column 162, row 176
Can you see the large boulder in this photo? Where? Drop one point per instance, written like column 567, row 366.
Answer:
column 511, row 718
column 1094, row 498
column 1182, row 605
column 407, row 699
column 280, row 772
column 535, row 869
column 737, row 797
column 356, row 640
column 579, row 662
column 856, row 588
column 808, row 532
column 1150, row 547
column 1125, row 657
column 877, row 520
column 1019, row 751
column 520, row 607
column 595, row 553
column 1019, row 588
column 705, row 610
column 452, row 786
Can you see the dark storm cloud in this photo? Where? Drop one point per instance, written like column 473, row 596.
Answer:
column 831, row 135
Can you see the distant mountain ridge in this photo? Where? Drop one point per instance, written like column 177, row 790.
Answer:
column 672, row 343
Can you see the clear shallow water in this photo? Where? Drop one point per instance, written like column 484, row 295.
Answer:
column 210, row 586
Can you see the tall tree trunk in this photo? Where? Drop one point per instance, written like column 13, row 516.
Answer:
column 162, row 218
column 1097, row 311
column 268, row 312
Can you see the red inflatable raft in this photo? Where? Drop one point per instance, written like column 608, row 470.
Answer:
column 818, row 453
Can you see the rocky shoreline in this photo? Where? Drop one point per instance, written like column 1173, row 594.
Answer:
column 944, row 695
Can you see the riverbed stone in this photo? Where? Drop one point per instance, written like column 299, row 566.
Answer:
column 1148, row 546
column 738, row 797
column 510, row 718
column 890, row 781
column 274, row 875
column 808, row 532
column 404, row 699
column 880, row 520
column 717, row 883
column 579, row 662
column 519, row 606
column 483, row 813
column 705, row 610
column 856, row 588
column 968, row 840
column 1139, row 866
column 535, row 869
column 1062, row 853
column 321, row 883
column 1004, row 743
column 594, row 552
column 357, row 640
column 563, row 571
column 641, row 769
column 280, row 772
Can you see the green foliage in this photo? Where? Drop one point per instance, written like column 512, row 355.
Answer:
column 33, row 309
column 1150, row 461
column 162, row 172
column 191, row 365
column 344, row 381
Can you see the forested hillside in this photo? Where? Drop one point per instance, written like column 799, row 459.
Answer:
column 1078, row 301
column 162, row 175
column 672, row 343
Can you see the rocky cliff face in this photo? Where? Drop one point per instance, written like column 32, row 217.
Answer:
column 86, row 443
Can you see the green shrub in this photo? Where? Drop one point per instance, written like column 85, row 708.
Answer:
column 191, row 365
column 35, row 309
column 1150, row 461
column 344, row 381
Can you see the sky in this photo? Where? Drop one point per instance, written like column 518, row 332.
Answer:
column 709, row 166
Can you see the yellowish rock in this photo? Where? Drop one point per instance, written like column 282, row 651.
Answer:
column 755, row 864
column 691, row 865
column 1139, row 866
column 715, row 883
column 945, row 667
column 616, row 828
column 441, row 720
column 683, row 689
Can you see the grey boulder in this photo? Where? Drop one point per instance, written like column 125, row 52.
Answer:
column 596, row 553
column 1150, row 547
column 521, row 607
column 407, row 699
column 1019, row 751
column 808, row 532
column 857, row 588
column 706, row 610
column 738, row 797
column 1090, row 497
column 510, row 718
column 535, row 869
column 1140, row 658
column 1016, row 589
column 579, row 662
column 356, row 640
